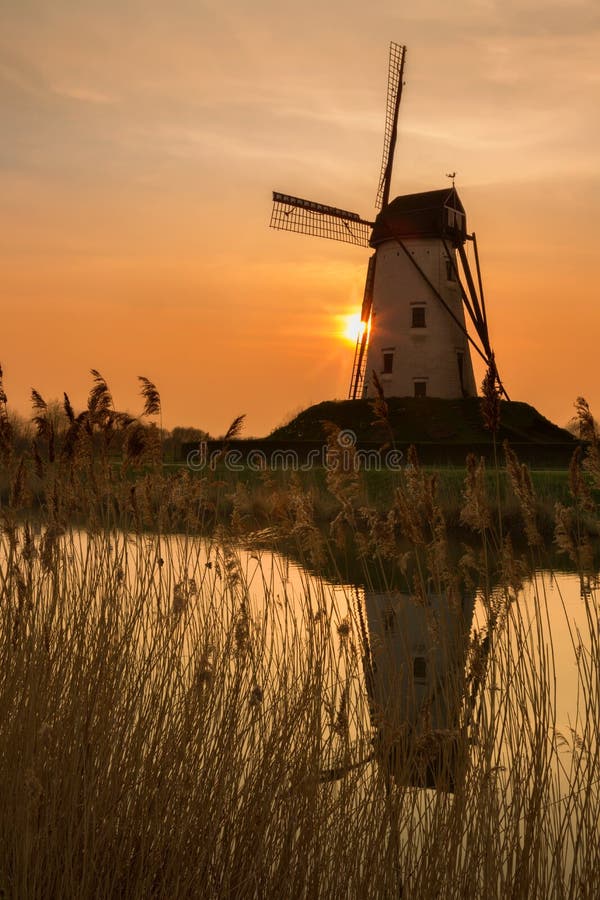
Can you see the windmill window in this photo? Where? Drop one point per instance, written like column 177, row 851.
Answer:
column 450, row 273
column 418, row 317
column 420, row 388
column 388, row 362
column 419, row 667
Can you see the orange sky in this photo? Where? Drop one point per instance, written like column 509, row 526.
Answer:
column 141, row 141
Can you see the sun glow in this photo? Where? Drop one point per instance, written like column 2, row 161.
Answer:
column 352, row 327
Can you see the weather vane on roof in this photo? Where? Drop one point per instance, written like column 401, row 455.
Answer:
column 451, row 175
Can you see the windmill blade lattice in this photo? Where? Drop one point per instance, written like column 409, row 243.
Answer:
column 307, row 217
column 394, row 95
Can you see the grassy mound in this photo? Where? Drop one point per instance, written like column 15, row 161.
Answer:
column 423, row 420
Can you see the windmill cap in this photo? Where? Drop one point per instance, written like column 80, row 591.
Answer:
column 428, row 214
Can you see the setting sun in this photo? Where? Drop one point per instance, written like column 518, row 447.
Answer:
column 352, row 327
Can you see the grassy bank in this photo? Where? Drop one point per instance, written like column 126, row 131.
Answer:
column 259, row 497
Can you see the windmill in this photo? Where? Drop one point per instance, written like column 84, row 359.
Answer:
column 419, row 282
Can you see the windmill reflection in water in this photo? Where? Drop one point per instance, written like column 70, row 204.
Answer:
column 421, row 701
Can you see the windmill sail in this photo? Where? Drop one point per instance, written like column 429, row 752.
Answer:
column 307, row 217
column 395, row 75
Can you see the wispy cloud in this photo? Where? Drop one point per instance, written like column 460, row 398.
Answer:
column 136, row 131
column 83, row 94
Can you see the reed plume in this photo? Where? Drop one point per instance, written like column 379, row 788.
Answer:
column 44, row 426
column 341, row 476
column 135, row 444
column 563, row 532
column 70, row 414
column 588, row 432
column 569, row 539
column 6, row 430
column 301, row 526
column 578, row 483
column 100, row 399
column 490, row 401
column 235, row 429
column 475, row 511
column 520, row 481
column 232, row 433
column 39, row 467
column 18, row 488
column 3, row 399
column 151, row 397
column 37, row 401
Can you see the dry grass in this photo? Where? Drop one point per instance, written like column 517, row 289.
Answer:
column 193, row 718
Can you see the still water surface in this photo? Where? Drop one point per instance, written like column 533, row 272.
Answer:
column 401, row 662
column 401, row 669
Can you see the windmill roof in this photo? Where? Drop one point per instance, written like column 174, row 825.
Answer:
column 426, row 214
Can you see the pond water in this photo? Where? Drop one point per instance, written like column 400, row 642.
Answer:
column 416, row 671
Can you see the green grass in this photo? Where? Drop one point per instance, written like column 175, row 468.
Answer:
column 259, row 497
